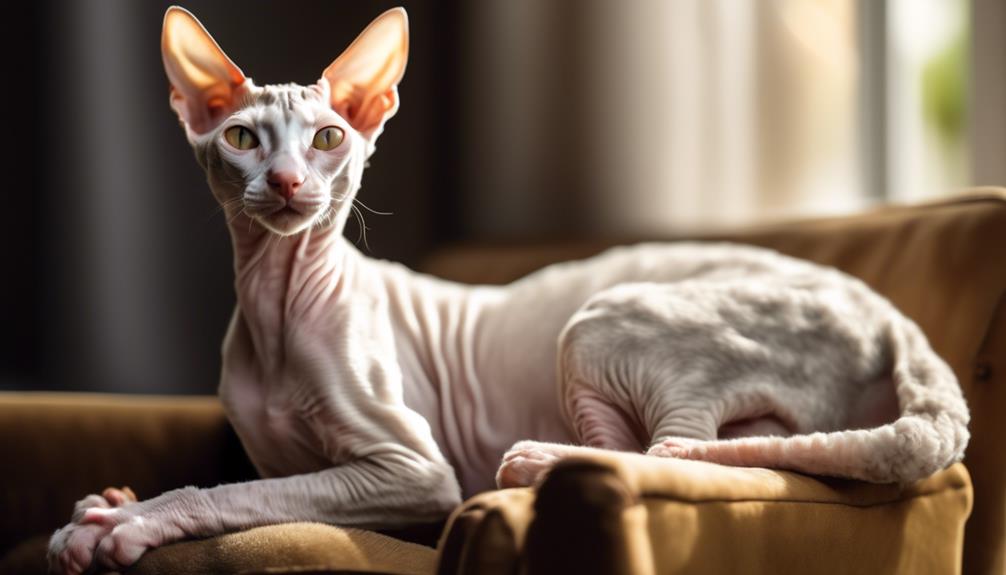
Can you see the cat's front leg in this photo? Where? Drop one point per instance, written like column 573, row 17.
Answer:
column 391, row 487
column 113, row 530
column 397, row 477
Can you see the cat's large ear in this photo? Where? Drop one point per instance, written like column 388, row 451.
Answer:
column 205, row 83
column 363, row 80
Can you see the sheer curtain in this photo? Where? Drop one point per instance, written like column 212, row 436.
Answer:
column 650, row 116
column 640, row 117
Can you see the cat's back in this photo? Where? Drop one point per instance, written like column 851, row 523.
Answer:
column 660, row 262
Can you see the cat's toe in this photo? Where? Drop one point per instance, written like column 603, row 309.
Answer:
column 122, row 547
column 118, row 497
column 524, row 467
column 678, row 447
column 71, row 549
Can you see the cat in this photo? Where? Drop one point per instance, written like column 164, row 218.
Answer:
column 368, row 395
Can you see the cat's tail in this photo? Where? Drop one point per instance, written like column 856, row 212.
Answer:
column 932, row 430
column 930, row 433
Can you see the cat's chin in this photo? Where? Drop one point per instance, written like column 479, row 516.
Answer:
column 286, row 222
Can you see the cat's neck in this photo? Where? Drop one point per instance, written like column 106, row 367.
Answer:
column 270, row 270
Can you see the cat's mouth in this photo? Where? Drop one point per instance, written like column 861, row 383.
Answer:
column 286, row 210
column 287, row 219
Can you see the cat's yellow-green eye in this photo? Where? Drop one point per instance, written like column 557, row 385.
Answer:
column 241, row 138
column 328, row 138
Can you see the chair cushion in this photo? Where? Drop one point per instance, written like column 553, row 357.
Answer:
column 288, row 548
column 621, row 513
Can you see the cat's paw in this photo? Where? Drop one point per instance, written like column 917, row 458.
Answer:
column 677, row 447
column 64, row 558
column 113, row 537
column 526, row 463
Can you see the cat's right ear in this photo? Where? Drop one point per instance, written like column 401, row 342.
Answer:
column 205, row 83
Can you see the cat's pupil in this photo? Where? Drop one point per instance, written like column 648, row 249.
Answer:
column 327, row 138
column 241, row 138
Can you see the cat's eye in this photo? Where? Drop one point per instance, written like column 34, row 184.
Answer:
column 328, row 138
column 241, row 138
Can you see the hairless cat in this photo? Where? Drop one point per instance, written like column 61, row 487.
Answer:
column 369, row 395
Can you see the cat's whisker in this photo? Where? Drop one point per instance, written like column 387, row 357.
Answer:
column 371, row 210
column 322, row 220
column 235, row 216
column 222, row 208
column 363, row 227
column 329, row 214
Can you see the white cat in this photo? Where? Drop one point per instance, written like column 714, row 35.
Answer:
column 368, row 395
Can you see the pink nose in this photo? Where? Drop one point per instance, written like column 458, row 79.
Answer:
column 284, row 183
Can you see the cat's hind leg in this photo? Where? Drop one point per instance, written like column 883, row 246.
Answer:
column 627, row 374
column 929, row 434
column 600, row 425
column 689, row 369
column 800, row 358
column 605, row 363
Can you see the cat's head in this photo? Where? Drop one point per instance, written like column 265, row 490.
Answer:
column 289, row 156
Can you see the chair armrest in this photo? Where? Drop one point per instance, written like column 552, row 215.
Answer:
column 61, row 446
column 629, row 513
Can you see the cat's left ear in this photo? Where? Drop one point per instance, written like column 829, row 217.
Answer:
column 363, row 80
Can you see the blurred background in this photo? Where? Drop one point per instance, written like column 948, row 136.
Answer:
column 521, row 120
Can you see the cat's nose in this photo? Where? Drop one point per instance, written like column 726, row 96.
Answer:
column 285, row 183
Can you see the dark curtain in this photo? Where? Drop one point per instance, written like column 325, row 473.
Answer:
column 117, row 267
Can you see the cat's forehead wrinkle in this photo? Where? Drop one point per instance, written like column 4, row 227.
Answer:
column 287, row 96
column 271, row 131
column 285, row 104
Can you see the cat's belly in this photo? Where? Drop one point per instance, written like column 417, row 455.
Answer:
column 477, row 402
column 476, row 433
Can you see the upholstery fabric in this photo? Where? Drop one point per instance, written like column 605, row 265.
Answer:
column 287, row 548
column 628, row 513
column 293, row 547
